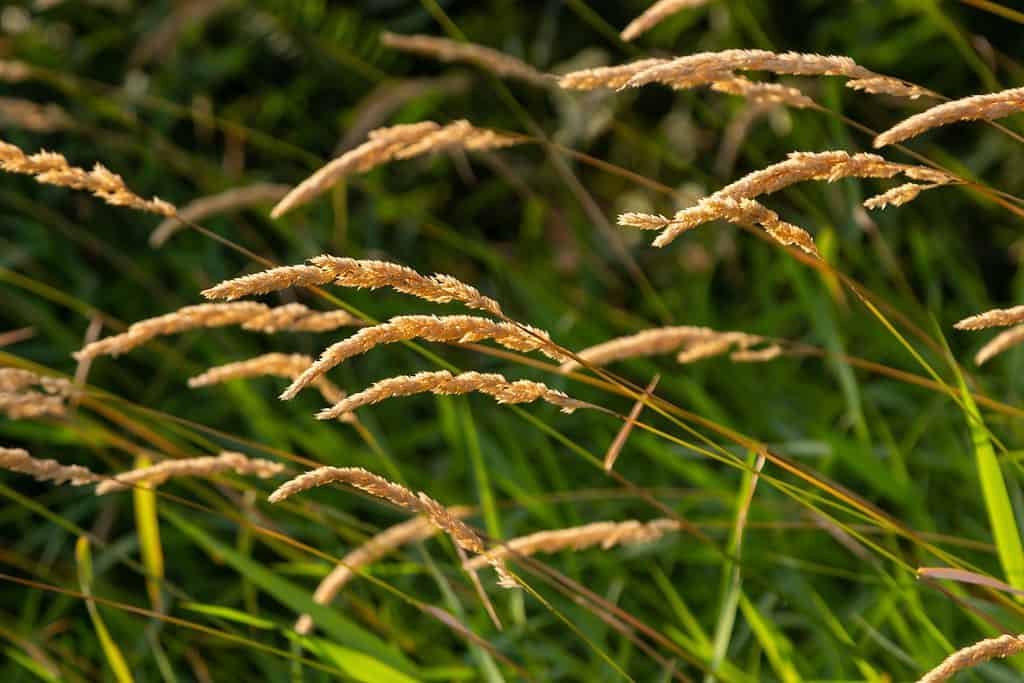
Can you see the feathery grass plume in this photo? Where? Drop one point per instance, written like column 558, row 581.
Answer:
column 397, row 142
column 19, row 460
column 650, row 342
column 442, row 49
column 997, row 317
column 19, row 400
column 270, row 280
column 897, row 196
column 284, row 365
column 443, row 382
column 764, row 93
column 655, row 14
column 16, row 379
column 978, row 107
column 437, row 288
column 1001, row 342
column 32, row 116
column 185, row 318
column 448, row 328
column 982, row 651
column 376, row 547
column 604, row 534
column 206, row 466
column 605, row 76
column 50, row 168
column 770, row 352
column 796, row 168
column 299, row 318
column 704, row 68
column 751, row 213
column 708, row 348
column 379, row 487
column 230, row 200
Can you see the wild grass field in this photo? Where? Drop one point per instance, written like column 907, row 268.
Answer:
column 394, row 341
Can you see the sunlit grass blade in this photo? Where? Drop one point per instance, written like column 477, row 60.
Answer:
column 112, row 652
column 776, row 646
column 148, row 527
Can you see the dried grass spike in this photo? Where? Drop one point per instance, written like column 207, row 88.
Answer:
column 19, row 460
column 606, row 76
column 764, row 93
column 897, row 196
column 997, row 317
column 269, row 281
column 442, row 49
column 987, row 107
column 191, row 467
column 982, row 651
column 443, row 382
column 655, row 14
column 230, row 200
column 1001, row 342
column 650, row 342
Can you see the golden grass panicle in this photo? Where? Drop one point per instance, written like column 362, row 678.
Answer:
column 764, row 93
column 186, row 318
column 19, row 460
column 19, row 399
column 443, row 382
column 445, row 50
column 296, row 317
column 396, row 142
column 32, row 116
column 897, row 196
column 997, row 317
column 15, row 379
column 655, row 14
column 379, row 487
column 982, row 651
column 437, row 288
column 376, row 547
column 284, row 365
column 606, row 76
column 887, row 85
column 191, row 467
column 448, row 328
column 50, row 168
column 650, row 342
column 987, row 107
column 229, row 200
column 604, row 534
column 271, row 280
column 1003, row 341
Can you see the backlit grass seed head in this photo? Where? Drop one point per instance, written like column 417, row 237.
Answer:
column 191, row 467
column 651, row 342
column 612, row 77
column 266, row 281
column 443, row 382
column 450, row 328
column 1003, row 341
column 764, row 93
column 983, row 651
column 997, row 317
column 50, row 168
column 19, row 460
column 987, row 107
column 386, row 144
column 655, row 14
column 229, row 200
column 444, row 50
column 32, row 116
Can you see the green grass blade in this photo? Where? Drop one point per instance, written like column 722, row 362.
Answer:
column 148, row 527
column 110, row 649
column 776, row 647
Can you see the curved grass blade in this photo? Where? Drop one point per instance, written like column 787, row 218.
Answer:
column 112, row 652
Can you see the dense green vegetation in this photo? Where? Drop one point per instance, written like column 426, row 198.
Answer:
column 877, row 468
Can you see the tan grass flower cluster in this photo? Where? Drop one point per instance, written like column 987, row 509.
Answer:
column 604, row 534
column 987, row 107
column 13, row 71
column 396, row 142
column 764, row 93
column 982, row 651
column 376, row 547
column 28, row 115
column 655, row 14
column 692, row 343
column 360, row 274
column 443, row 382
column 1004, row 341
column 729, row 202
column 449, row 328
column 25, row 394
column 289, row 366
column 19, row 460
column 706, row 68
column 223, row 202
column 206, row 466
column 444, row 50
column 379, row 487
column 51, row 168
column 252, row 315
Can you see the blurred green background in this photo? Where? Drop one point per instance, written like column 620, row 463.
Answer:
column 188, row 99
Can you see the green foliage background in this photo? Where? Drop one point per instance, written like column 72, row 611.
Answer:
column 184, row 107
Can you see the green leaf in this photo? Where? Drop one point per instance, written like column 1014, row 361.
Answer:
column 356, row 664
column 287, row 593
column 148, row 528
column 113, row 654
column 228, row 614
